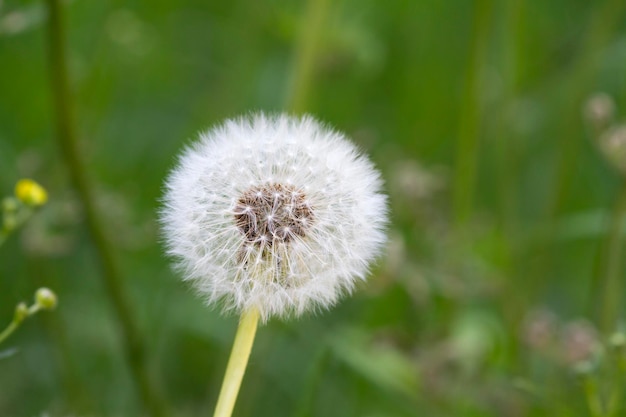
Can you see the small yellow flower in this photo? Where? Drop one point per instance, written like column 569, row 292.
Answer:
column 30, row 193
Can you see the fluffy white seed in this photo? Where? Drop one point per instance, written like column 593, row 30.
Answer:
column 276, row 213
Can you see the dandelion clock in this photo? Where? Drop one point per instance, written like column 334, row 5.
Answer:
column 271, row 216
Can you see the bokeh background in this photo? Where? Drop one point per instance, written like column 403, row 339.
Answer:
column 501, row 290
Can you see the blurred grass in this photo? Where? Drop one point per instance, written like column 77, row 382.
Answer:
column 472, row 110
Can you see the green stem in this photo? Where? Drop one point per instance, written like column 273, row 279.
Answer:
column 608, row 282
column 8, row 331
column 21, row 217
column 242, row 346
column 615, row 397
column 598, row 32
column 18, row 318
column 507, row 148
column 592, row 396
column 67, row 141
column 471, row 114
column 602, row 24
column 505, row 140
column 306, row 52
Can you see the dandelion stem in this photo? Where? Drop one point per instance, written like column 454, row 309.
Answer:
column 237, row 363
column 305, row 53
column 67, row 140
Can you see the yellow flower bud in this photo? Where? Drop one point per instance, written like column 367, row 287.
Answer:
column 30, row 193
column 45, row 298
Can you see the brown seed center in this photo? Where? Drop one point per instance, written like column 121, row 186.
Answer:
column 273, row 213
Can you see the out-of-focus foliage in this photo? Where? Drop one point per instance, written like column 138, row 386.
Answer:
column 490, row 300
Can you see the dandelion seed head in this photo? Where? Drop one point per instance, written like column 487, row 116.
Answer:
column 279, row 213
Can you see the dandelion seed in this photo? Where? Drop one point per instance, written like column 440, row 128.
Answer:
column 307, row 207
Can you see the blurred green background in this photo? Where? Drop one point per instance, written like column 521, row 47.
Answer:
column 499, row 294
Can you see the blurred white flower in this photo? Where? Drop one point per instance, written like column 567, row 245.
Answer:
column 276, row 213
column 612, row 144
column 599, row 110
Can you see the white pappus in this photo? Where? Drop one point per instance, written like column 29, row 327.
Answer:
column 277, row 213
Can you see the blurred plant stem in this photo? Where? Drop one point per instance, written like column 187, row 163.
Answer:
column 507, row 149
column 471, row 115
column 237, row 363
column 512, row 67
column 68, row 144
column 607, row 288
column 14, row 215
column 604, row 21
column 9, row 330
column 306, row 52
column 20, row 219
column 593, row 397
